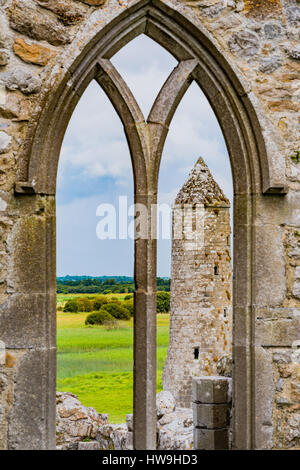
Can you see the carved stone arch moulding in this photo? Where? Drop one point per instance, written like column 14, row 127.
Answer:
column 236, row 108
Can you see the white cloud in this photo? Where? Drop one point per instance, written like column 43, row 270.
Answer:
column 95, row 142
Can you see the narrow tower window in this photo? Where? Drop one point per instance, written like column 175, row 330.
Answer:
column 196, row 353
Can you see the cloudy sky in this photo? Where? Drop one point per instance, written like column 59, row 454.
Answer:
column 95, row 166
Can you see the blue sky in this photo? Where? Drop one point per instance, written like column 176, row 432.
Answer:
column 95, row 164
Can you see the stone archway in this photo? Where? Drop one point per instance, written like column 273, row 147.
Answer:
column 259, row 182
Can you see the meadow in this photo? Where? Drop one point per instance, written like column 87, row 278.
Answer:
column 96, row 363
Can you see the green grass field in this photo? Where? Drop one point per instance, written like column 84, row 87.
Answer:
column 96, row 363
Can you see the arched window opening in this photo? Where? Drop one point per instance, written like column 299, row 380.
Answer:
column 94, row 267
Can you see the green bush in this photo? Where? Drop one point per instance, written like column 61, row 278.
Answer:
column 117, row 311
column 129, row 305
column 84, row 304
column 113, row 300
column 163, row 302
column 128, row 297
column 98, row 318
column 99, row 302
column 71, row 306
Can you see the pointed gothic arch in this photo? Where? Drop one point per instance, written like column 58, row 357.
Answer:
column 247, row 134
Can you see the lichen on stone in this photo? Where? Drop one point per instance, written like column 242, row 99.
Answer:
column 201, row 188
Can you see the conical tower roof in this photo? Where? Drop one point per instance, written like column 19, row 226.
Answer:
column 201, row 188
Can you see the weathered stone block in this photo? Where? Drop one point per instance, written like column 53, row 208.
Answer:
column 165, row 403
column 5, row 34
column 224, row 366
column 211, row 416
column 113, row 437
column 33, row 53
column 295, row 391
column 211, row 439
column 175, row 430
column 264, row 398
column 67, row 11
column 294, row 53
column 269, row 276
column 5, row 142
column 2, row 355
column 211, row 389
column 129, row 422
column 263, row 8
column 27, row 19
column 30, row 245
column 292, row 14
column 31, row 421
column 281, row 332
column 93, row 445
column 244, row 43
column 22, row 80
column 94, row 3
column 296, row 286
column 212, row 11
column 129, row 441
column 4, row 58
column 15, row 106
column 270, row 64
column 75, row 422
column 34, row 315
column 273, row 30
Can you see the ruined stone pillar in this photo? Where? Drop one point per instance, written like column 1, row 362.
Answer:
column 211, row 412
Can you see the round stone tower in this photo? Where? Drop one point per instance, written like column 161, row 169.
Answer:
column 201, row 283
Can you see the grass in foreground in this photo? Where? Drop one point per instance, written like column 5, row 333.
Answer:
column 96, row 364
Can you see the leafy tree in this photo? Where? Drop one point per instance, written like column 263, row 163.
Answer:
column 99, row 302
column 129, row 305
column 84, row 304
column 117, row 311
column 163, row 302
column 98, row 318
column 71, row 306
column 114, row 300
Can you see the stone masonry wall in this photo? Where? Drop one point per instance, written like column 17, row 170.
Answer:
column 38, row 42
column 201, row 289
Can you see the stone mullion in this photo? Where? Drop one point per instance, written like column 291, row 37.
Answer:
column 145, row 333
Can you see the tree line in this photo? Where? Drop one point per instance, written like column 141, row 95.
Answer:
column 103, row 285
